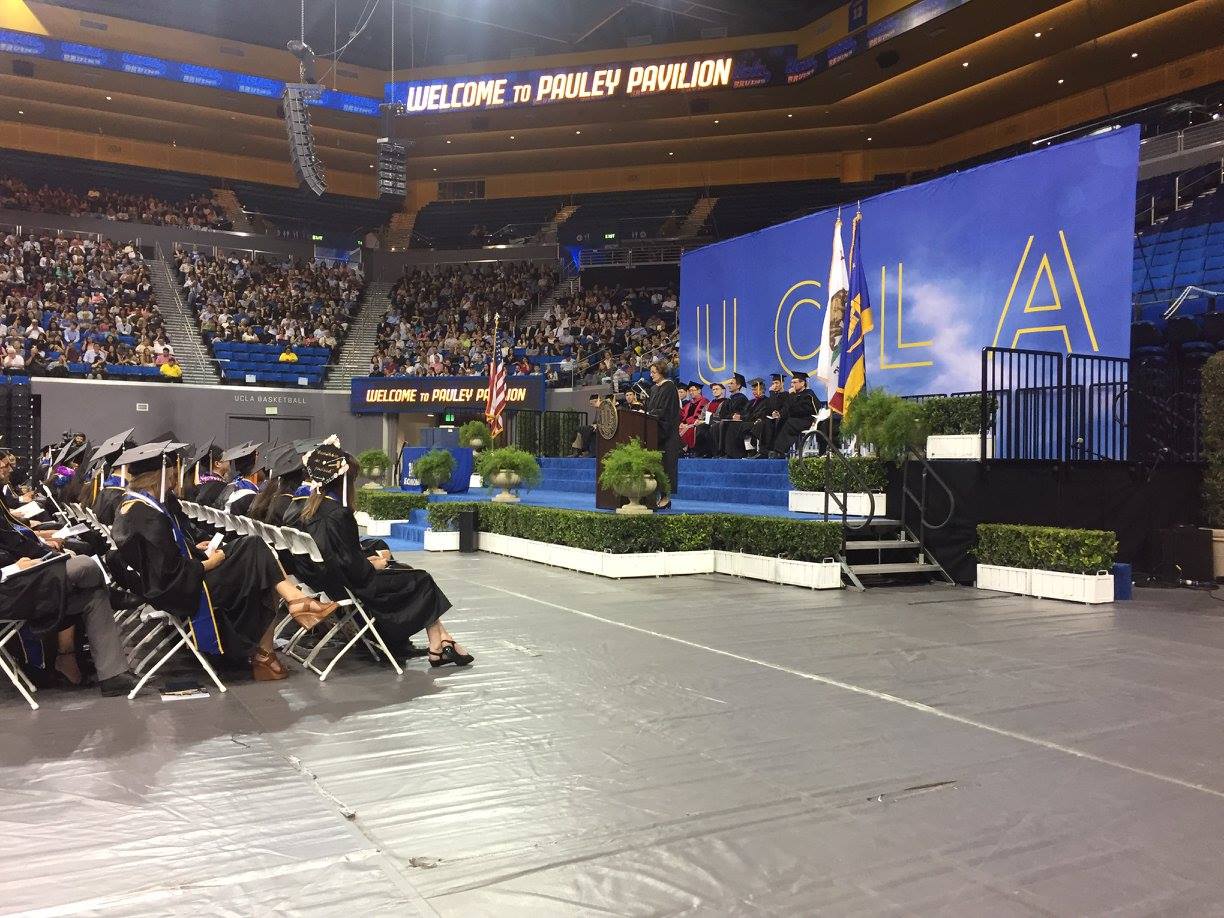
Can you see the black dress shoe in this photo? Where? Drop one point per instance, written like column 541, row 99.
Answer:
column 412, row 650
column 121, row 684
column 448, row 654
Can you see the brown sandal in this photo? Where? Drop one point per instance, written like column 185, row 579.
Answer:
column 267, row 667
column 308, row 611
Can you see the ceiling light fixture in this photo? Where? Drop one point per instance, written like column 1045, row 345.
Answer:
column 108, row 98
column 577, row 132
column 869, row 140
column 670, row 153
column 1134, row 54
column 1036, row 34
column 20, row 112
column 790, row 116
column 448, row 141
column 1060, row 82
column 511, row 136
column 716, row 121
column 435, row 168
column 965, row 64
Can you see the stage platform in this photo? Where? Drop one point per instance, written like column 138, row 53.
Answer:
column 696, row 746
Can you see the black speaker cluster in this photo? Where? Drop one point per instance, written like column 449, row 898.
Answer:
column 306, row 162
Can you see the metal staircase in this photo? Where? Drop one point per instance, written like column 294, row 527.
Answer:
column 228, row 202
column 568, row 286
column 695, row 222
column 362, row 340
column 181, row 328
column 399, row 230
column 548, row 232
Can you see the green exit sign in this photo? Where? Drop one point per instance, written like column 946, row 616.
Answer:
column 609, row 235
column 316, row 237
column 449, row 417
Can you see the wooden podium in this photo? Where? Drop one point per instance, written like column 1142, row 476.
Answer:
column 610, row 434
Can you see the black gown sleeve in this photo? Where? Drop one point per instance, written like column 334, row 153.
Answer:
column 344, row 546
column 665, row 405
column 162, row 576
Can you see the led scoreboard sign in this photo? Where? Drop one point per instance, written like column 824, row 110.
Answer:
column 732, row 70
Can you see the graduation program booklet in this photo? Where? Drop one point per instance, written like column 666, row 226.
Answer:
column 27, row 511
column 13, row 570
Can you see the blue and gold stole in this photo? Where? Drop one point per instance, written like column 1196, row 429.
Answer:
column 203, row 623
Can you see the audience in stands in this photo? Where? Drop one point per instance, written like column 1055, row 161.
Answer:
column 291, row 304
column 441, row 322
column 75, row 306
column 199, row 212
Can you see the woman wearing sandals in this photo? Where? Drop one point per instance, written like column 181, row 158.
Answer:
column 401, row 599
column 231, row 596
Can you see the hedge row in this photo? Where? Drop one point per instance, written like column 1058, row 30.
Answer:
column 1045, row 548
column 390, row 505
column 854, row 474
column 799, row 540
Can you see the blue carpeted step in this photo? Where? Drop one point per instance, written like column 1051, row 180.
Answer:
column 771, row 498
column 404, row 545
column 409, row 532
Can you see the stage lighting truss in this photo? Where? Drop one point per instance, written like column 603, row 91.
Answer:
column 306, row 163
column 392, row 168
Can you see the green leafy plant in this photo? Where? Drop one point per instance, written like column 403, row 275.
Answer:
column 886, row 423
column 475, row 430
column 508, row 459
column 855, row 474
column 799, row 540
column 390, row 505
column 1046, row 548
column 956, row 414
column 626, row 465
column 434, row 468
column 1213, row 440
column 373, row 460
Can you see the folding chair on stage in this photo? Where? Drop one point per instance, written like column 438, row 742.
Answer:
column 165, row 638
column 10, row 666
column 351, row 618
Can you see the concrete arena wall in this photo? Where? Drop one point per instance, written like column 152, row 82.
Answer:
column 198, row 413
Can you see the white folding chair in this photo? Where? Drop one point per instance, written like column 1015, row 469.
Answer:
column 351, row 618
column 10, row 666
column 168, row 637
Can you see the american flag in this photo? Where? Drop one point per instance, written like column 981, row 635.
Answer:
column 496, row 402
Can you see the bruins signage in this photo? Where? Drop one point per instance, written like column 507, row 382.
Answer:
column 374, row 395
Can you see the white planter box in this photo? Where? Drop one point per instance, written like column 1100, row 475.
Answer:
column 1088, row 588
column 826, row 575
column 379, row 529
column 441, row 541
column 475, row 481
column 814, row 502
column 1004, row 579
column 958, row 446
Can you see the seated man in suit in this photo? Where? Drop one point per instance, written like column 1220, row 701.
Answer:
column 741, row 422
column 802, row 406
column 734, row 409
column 768, row 418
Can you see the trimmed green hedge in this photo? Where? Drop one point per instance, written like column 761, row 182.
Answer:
column 1046, row 548
column 957, row 414
column 799, row 540
column 854, row 474
column 390, row 505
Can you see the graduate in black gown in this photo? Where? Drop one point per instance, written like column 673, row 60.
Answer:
column 106, row 488
column 286, row 472
column 244, row 482
column 230, row 595
column 402, row 600
column 664, row 404
column 204, row 481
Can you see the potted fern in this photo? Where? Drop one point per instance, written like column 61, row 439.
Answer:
column 633, row 472
column 476, row 435
column 433, row 469
column 507, row 468
column 374, row 464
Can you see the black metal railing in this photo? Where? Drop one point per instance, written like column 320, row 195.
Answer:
column 919, row 498
column 544, row 433
column 849, row 472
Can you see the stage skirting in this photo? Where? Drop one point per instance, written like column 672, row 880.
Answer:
column 1131, row 500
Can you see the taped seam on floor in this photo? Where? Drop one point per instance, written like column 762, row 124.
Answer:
column 872, row 693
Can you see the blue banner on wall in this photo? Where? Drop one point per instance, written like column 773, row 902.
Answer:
column 1034, row 252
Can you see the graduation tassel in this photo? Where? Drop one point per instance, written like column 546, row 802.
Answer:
column 161, row 496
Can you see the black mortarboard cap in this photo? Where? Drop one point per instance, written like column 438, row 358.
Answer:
column 68, row 452
column 777, row 377
column 241, row 451
column 757, row 382
column 739, row 378
column 113, row 446
column 799, row 374
column 287, row 462
column 274, row 453
column 204, row 451
column 306, row 445
column 166, row 436
column 693, row 385
column 148, row 458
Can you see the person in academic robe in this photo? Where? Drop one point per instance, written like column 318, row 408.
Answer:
column 734, row 407
column 664, row 404
column 402, row 600
column 206, row 478
column 768, row 417
column 285, row 476
column 53, row 592
column 106, row 488
column 704, row 443
column 691, row 412
column 231, row 596
column 739, row 425
column 244, row 481
column 584, row 437
column 799, row 414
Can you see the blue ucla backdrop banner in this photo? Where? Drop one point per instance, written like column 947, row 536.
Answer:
column 1034, row 252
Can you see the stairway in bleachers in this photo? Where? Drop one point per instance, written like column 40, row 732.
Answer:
column 721, row 481
column 697, row 218
column 181, row 327
column 228, row 202
column 361, row 342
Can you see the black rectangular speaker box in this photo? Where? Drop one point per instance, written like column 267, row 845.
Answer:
column 1186, row 554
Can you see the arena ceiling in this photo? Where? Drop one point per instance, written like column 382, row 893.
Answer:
column 979, row 68
column 433, row 32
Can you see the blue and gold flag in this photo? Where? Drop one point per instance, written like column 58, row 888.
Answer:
column 852, row 371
